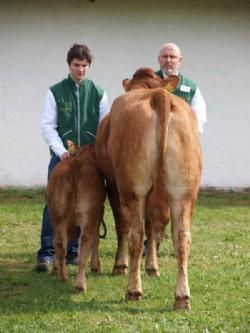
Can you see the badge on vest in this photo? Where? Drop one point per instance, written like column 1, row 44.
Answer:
column 185, row 88
column 65, row 106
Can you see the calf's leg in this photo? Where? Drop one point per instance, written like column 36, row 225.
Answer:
column 60, row 246
column 89, row 223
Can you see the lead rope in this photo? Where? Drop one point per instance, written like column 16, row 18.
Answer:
column 104, row 230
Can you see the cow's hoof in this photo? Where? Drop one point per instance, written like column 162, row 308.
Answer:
column 80, row 289
column 64, row 277
column 120, row 270
column 96, row 270
column 152, row 272
column 182, row 303
column 133, row 296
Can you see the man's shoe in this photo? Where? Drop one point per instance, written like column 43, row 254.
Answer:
column 43, row 265
column 72, row 260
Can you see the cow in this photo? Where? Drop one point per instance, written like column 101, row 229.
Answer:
column 75, row 196
column 149, row 150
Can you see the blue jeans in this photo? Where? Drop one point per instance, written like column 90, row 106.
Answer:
column 46, row 251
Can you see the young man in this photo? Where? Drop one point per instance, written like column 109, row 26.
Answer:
column 73, row 110
column 170, row 60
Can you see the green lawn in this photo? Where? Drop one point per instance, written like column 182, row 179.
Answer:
column 219, row 276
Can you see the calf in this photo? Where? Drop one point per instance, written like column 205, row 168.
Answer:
column 76, row 194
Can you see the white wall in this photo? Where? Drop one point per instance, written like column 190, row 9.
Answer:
column 124, row 35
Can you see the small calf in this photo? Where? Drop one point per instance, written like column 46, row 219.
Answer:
column 76, row 195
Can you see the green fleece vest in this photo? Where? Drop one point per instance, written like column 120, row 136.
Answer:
column 185, row 89
column 77, row 110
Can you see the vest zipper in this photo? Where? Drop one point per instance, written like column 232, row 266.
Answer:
column 78, row 115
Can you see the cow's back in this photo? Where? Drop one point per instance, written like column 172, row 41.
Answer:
column 132, row 142
column 133, row 148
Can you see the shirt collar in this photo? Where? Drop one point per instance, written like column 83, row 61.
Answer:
column 77, row 85
column 165, row 76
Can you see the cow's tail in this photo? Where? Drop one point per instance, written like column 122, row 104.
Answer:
column 161, row 104
column 62, row 200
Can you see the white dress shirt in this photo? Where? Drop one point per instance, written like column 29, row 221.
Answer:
column 198, row 105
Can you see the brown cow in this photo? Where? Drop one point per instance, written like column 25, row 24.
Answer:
column 148, row 148
column 76, row 195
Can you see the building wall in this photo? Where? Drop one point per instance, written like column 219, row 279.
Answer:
column 123, row 36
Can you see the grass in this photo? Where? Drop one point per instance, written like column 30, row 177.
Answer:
column 218, row 276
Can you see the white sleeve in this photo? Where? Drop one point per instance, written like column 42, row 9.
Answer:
column 198, row 105
column 49, row 125
column 103, row 106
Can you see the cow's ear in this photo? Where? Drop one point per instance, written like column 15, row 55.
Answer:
column 170, row 83
column 72, row 148
column 125, row 84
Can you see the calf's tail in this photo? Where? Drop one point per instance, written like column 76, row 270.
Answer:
column 61, row 199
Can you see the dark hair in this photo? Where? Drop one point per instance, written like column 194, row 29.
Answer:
column 78, row 51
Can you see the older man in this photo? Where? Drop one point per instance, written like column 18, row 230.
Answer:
column 170, row 59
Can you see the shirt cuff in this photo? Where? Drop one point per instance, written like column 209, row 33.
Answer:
column 59, row 151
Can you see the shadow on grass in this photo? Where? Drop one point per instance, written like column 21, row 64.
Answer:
column 22, row 290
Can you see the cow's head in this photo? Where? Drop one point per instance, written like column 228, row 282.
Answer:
column 146, row 78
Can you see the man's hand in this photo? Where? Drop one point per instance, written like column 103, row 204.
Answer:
column 65, row 155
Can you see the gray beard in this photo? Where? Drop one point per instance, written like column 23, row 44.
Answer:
column 169, row 72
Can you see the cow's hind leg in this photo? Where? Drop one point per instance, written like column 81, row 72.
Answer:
column 121, row 258
column 151, row 264
column 60, row 246
column 156, row 221
column 133, row 217
column 181, row 215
